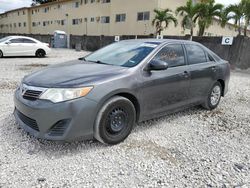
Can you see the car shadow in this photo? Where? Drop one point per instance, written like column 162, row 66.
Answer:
column 13, row 133
column 24, row 57
column 144, row 125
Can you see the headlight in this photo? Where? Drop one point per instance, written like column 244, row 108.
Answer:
column 62, row 94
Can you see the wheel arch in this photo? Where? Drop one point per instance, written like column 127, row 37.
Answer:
column 126, row 94
column 42, row 50
column 222, row 82
column 1, row 50
column 134, row 100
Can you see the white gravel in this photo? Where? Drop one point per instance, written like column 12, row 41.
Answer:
column 193, row 148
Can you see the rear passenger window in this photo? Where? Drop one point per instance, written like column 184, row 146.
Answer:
column 173, row 54
column 28, row 41
column 195, row 54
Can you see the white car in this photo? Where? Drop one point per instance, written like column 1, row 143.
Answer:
column 22, row 46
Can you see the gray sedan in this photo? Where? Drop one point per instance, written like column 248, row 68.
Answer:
column 104, row 94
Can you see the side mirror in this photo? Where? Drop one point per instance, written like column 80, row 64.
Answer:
column 8, row 42
column 157, row 65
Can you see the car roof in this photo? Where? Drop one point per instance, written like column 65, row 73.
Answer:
column 166, row 41
column 161, row 41
column 15, row 36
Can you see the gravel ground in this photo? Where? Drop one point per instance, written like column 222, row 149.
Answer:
column 192, row 148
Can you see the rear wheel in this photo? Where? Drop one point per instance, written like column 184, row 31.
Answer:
column 115, row 120
column 1, row 54
column 214, row 96
column 40, row 53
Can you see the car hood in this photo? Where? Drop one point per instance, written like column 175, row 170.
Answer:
column 73, row 74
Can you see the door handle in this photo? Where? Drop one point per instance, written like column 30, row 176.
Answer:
column 213, row 68
column 185, row 74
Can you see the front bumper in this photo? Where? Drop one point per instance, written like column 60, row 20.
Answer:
column 65, row 121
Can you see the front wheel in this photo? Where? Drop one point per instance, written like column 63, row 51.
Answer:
column 214, row 96
column 40, row 53
column 115, row 120
column 1, row 54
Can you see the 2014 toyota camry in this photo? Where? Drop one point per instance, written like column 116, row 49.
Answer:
column 104, row 94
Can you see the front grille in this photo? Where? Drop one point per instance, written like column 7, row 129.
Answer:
column 32, row 94
column 27, row 121
column 59, row 128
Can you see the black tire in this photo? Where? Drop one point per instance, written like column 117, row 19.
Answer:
column 40, row 53
column 1, row 54
column 115, row 120
column 211, row 103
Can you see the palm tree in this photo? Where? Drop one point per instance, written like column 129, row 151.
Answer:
column 246, row 5
column 162, row 20
column 236, row 12
column 190, row 15
column 207, row 11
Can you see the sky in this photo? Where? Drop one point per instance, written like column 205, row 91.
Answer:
column 6, row 5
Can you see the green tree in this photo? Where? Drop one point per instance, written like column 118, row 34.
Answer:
column 236, row 12
column 190, row 15
column 162, row 19
column 34, row 2
column 246, row 7
column 207, row 11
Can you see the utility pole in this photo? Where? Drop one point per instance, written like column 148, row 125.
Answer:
column 68, row 31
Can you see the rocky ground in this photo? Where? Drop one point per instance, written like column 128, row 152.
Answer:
column 192, row 148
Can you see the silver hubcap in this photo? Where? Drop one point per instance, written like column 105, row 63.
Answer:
column 215, row 95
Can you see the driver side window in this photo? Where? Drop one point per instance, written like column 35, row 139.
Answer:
column 16, row 40
column 172, row 54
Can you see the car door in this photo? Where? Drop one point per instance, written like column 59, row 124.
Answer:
column 28, row 46
column 14, row 47
column 202, row 72
column 166, row 89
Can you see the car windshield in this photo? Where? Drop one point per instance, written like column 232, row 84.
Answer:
column 4, row 39
column 126, row 53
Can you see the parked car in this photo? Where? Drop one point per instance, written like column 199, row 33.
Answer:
column 104, row 94
column 22, row 46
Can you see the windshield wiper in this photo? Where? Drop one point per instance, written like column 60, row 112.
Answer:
column 100, row 62
column 82, row 58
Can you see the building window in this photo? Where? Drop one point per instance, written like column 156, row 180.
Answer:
column 14, row 24
column 105, row 1
column 46, row 9
column 92, row 1
column 75, row 21
column 76, row 4
column 85, row 1
column 92, row 19
column 19, row 25
column 24, row 24
column 143, row 16
column 62, row 22
column 59, row 6
column 33, row 24
column 44, row 23
column 105, row 19
column 23, row 12
column 120, row 18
